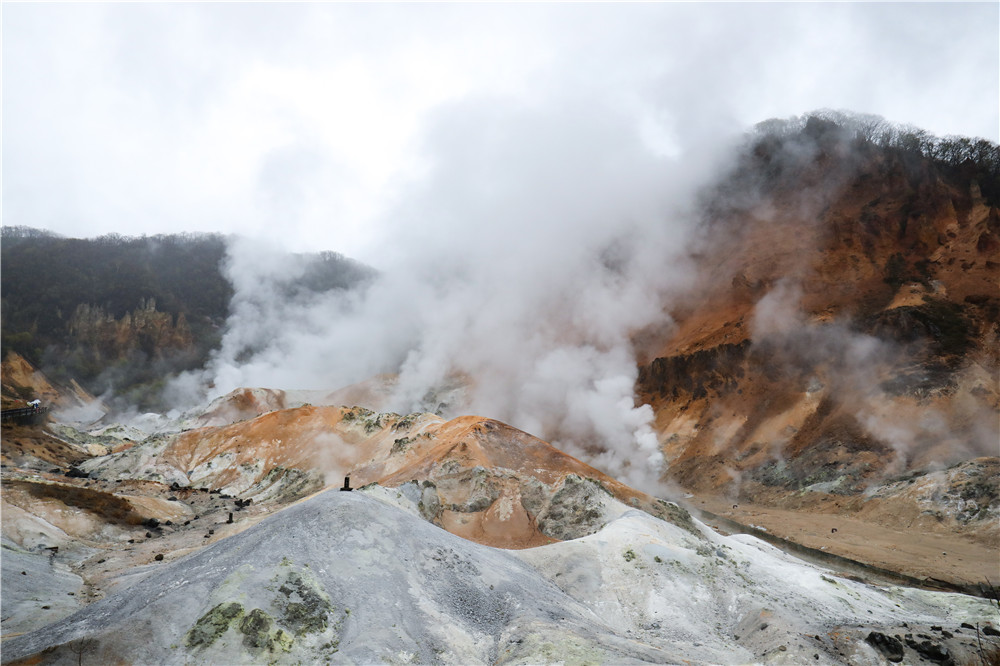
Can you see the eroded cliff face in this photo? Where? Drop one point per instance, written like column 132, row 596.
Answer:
column 144, row 329
column 23, row 382
column 844, row 333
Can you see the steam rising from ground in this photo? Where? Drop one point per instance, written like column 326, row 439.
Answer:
column 516, row 274
column 536, row 227
column 855, row 367
column 537, row 243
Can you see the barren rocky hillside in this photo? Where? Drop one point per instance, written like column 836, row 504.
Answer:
column 840, row 350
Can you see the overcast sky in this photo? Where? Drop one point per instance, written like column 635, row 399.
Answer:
column 314, row 123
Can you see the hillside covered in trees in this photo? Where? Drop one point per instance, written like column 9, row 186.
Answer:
column 121, row 314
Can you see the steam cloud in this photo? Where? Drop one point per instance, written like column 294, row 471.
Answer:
column 855, row 367
column 538, row 243
column 543, row 224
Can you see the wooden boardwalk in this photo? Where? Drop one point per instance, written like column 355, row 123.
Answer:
column 24, row 415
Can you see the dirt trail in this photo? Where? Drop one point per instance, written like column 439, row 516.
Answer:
column 951, row 558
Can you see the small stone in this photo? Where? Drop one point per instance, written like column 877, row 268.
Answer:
column 889, row 647
column 933, row 652
column 159, row 557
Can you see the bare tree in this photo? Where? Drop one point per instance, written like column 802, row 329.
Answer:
column 81, row 647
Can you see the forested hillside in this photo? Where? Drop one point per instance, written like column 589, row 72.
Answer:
column 121, row 314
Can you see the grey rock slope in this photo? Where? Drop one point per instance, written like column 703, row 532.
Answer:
column 339, row 577
column 36, row 589
column 348, row 578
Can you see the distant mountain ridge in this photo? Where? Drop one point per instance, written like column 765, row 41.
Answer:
column 123, row 313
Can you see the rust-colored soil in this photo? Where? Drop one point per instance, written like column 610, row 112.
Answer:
column 25, row 442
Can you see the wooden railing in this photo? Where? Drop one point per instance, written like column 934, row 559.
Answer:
column 24, row 415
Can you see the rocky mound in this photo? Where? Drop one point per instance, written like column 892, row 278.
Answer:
column 479, row 478
column 108, row 503
column 345, row 578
